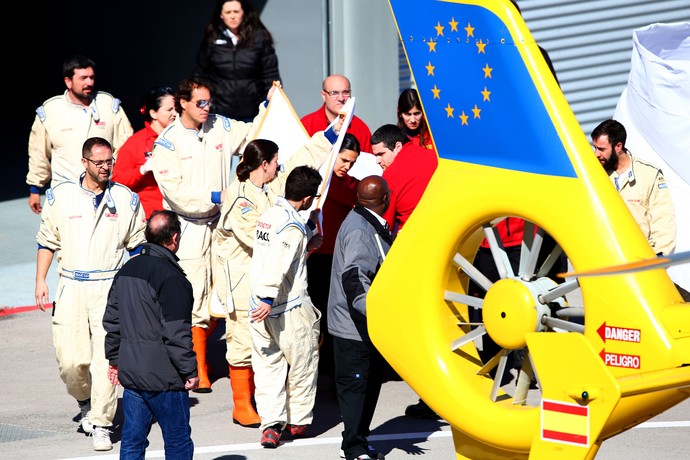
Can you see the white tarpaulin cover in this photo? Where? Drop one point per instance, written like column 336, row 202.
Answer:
column 655, row 110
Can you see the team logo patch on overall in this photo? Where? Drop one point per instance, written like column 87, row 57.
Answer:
column 245, row 207
column 81, row 276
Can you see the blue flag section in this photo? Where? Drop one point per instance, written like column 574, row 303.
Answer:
column 478, row 96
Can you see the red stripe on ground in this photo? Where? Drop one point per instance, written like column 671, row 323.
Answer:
column 565, row 437
column 13, row 310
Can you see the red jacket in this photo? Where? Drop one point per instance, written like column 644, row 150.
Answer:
column 407, row 179
column 130, row 157
column 422, row 141
column 341, row 198
column 511, row 230
column 317, row 121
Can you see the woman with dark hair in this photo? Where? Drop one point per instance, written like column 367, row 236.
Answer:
column 258, row 184
column 341, row 198
column 133, row 165
column 237, row 57
column 411, row 119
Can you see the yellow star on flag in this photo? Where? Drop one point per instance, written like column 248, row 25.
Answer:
column 437, row 92
column 439, row 29
column 486, row 93
column 449, row 111
column 476, row 111
column 480, row 47
column 487, row 71
column 470, row 30
column 432, row 46
column 430, row 69
column 464, row 118
column 453, row 25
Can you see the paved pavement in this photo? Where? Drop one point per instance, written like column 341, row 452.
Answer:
column 37, row 416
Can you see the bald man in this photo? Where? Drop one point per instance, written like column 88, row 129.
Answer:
column 335, row 92
column 360, row 248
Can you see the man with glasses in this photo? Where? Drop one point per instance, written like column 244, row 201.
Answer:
column 64, row 122
column 192, row 166
column 91, row 221
column 335, row 92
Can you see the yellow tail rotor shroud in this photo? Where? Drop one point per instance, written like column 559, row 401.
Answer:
column 520, row 153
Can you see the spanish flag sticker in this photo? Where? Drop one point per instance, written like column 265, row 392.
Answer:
column 564, row 423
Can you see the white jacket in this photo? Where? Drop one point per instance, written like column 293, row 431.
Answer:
column 60, row 129
column 646, row 194
column 189, row 164
column 91, row 243
column 278, row 268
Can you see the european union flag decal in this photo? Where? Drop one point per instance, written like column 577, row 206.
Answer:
column 478, row 96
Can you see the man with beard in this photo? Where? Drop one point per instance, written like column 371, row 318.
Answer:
column 64, row 122
column 640, row 184
column 91, row 223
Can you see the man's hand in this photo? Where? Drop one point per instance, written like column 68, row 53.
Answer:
column 339, row 124
column 315, row 242
column 260, row 313
column 271, row 90
column 112, row 375
column 35, row 202
column 192, row 383
column 41, row 294
column 147, row 167
column 224, row 195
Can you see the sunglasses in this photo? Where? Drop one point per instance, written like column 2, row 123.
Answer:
column 203, row 103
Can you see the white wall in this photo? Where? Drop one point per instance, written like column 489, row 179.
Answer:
column 362, row 44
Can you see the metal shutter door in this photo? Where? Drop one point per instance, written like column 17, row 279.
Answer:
column 590, row 44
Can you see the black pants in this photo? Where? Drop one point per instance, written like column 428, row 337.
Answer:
column 319, row 283
column 358, row 378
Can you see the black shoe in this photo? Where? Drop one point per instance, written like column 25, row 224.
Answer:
column 421, row 410
column 271, row 436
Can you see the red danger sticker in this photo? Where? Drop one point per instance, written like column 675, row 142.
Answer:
column 621, row 334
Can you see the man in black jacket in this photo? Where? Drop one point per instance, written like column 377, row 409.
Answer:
column 360, row 248
column 148, row 321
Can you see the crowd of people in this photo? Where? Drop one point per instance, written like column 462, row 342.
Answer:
column 150, row 225
column 168, row 200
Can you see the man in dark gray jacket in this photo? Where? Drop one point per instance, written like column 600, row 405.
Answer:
column 148, row 343
column 360, row 248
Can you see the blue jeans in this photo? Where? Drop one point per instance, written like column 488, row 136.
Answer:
column 171, row 410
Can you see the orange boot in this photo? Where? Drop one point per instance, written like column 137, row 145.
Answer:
column 199, row 337
column 242, row 383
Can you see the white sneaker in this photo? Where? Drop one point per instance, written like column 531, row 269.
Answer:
column 372, row 453
column 101, row 438
column 86, row 425
column 85, row 408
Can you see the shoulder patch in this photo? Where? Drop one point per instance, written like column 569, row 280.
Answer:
column 50, row 196
column 116, row 105
column 245, row 206
column 226, row 122
column 134, row 202
column 298, row 225
column 41, row 112
column 164, row 142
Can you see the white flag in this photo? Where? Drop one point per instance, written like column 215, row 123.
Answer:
column 282, row 126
